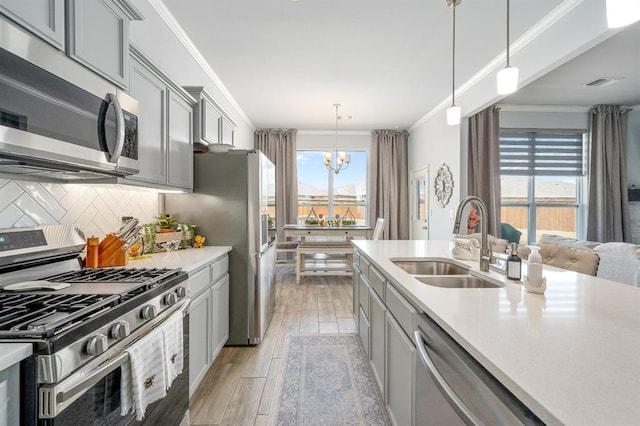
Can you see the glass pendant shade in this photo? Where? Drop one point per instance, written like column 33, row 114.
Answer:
column 622, row 12
column 507, row 80
column 453, row 115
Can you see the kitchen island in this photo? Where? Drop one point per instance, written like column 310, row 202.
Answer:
column 571, row 355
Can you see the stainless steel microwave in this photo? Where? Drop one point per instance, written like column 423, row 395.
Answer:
column 53, row 130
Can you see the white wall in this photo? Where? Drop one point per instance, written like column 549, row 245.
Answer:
column 327, row 140
column 432, row 144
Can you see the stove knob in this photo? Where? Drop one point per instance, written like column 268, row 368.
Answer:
column 181, row 292
column 97, row 344
column 148, row 312
column 170, row 299
column 120, row 330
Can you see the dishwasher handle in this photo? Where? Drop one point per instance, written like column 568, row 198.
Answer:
column 445, row 388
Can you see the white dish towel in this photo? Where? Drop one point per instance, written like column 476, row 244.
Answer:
column 145, row 380
column 173, row 347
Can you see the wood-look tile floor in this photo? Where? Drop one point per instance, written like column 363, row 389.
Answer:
column 239, row 388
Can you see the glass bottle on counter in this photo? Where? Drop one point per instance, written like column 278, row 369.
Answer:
column 514, row 264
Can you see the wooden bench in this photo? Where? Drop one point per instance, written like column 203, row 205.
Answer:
column 324, row 258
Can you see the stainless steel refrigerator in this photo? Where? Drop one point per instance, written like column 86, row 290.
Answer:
column 229, row 204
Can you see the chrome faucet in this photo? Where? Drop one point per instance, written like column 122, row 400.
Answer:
column 485, row 251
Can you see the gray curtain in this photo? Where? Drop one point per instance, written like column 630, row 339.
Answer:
column 483, row 167
column 608, row 217
column 389, row 192
column 279, row 145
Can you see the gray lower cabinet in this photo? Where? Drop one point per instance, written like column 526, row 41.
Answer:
column 208, row 317
column 199, row 332
column 98, row 36
column 356, row 288
column 386, row 320
column 377, row 312
column 400, row 373
column 165, row 143
column 43, row 18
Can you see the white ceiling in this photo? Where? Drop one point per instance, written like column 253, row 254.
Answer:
column 387, row 62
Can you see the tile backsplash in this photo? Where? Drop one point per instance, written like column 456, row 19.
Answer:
column 96, row 209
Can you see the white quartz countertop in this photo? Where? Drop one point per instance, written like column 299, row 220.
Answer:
column 190, row 259
column 12, row 353
column 571, row 355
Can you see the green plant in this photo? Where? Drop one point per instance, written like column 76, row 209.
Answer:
column 166, row 221
column 150, row 232
column 187, row 233
column 311, row 221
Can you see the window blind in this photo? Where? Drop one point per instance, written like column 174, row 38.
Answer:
column 541, row 153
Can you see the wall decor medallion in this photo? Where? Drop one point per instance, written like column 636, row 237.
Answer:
column 443, row 185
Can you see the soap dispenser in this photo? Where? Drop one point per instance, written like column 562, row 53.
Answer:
column 534, row 271
column 514, row 263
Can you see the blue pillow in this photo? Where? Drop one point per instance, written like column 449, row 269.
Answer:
column 509, row 233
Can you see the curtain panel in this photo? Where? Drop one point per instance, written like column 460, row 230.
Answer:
column 279, row 145
column 483, row 168
column 389, row 192
column 608, row 213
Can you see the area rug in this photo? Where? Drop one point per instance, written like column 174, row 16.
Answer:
column 326, row 380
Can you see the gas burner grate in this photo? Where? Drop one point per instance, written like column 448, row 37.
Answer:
column 119, row 275
column 29, row 315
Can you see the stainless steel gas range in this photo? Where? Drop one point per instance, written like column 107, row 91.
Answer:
column 80, row 322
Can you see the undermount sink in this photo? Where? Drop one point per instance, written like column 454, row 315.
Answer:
column 458, row 281
column 430, row 267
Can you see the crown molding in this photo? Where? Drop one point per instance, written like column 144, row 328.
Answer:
column 186, row 41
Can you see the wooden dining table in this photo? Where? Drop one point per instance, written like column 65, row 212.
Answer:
column 324, row 250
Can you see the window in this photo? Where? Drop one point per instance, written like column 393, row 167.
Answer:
column 542, row 176
column 329, row 193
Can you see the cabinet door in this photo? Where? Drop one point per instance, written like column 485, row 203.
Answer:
column 227, row 132
column 363, row 330
column 220, row 315
column 98, row 37
column 151, row 94
column 356, row 290
column 44, row 18
column 377, row 311
column 210, row 123
column 180, row 148
column 400, row 373
column 199, row 339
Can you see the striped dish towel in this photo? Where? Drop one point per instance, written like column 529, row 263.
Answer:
column 143, row 379
column 173, row 347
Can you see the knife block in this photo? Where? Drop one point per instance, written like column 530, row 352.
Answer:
column 111, row 252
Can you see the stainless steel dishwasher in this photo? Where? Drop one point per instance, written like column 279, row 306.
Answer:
column 452, row 388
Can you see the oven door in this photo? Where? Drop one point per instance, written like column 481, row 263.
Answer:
column 92, row 396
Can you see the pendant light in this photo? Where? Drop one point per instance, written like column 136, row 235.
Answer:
column 507, row 77
column 342, row 159
column 453, row 112
column 622, row 12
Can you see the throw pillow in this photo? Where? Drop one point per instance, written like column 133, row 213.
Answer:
column 620, row 249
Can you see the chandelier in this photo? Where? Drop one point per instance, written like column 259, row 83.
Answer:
column 342, row 159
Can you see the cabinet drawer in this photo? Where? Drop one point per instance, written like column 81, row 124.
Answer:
column 219, row 268
column 363, row 294
column 199, row 281
column 376, row 279
column 401, row 309
column 364, row 266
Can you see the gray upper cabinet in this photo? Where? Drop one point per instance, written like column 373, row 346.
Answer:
column 44, row 18
column 151, row 93
column 165, row 140
column 98, row 36
column 180, row 142
column 211, row 124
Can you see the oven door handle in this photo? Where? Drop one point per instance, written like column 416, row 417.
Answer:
column 54, row 399
column 92, row 379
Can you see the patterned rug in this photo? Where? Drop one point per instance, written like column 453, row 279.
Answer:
column 326, row 380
